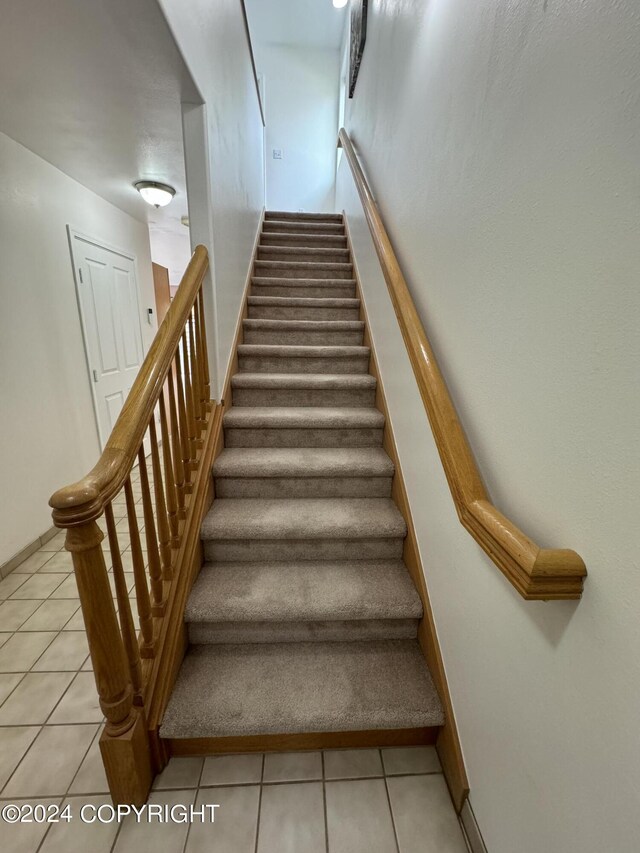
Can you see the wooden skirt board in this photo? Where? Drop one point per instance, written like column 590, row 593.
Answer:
column 305, row 741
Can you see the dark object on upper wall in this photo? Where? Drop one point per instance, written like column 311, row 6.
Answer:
column 358, row 38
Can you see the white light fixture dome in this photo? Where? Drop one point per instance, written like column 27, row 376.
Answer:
column 340, row 4
column 158, row 195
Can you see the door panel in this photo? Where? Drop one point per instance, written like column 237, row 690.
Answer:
column 109, row 307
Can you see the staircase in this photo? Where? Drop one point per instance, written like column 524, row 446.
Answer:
column 303, row 621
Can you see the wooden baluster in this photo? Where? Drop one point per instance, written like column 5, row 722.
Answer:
column 164, row 536
column 189, row 397
column 170, row 483
column 176, row 443
column 155, row 570
column 127, row 627
column 195, row 378
column 143, row 602
column 200, row 361
column 124, row 744
column 182, row 413
column 205, row 355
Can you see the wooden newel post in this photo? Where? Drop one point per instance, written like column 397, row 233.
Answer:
column 124, row 743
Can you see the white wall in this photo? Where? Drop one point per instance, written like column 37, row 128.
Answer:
column 48, row 436
column 301, row 105
column 213, row 42
column 501, row 140
column 170, row 249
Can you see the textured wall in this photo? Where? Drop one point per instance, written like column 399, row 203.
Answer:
column 301, row 104
column 213, row 42
column 501, row 139
column 48, row 436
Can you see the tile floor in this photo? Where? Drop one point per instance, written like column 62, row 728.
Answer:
column 374, row 801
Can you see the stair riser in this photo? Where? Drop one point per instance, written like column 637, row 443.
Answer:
column 284, row 550
column 303, row 487
column 281, row 437
column 314, row 227
column 303, row 254
column 211, row 633
column 305, row 291
column 302, row 337
column 282, row 269
column 293, row 364
column 359, row 398
column 299, row 312
column 327, row 241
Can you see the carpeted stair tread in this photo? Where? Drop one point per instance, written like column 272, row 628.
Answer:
column 333, row 254
column 302, row 351
column 353, row 381
column 300, row 226
column 305, row 591
column 298, row 215
column 273, row 281
column 295, row 519
column 273, row 688
column 302, row 238
column 305, row 268
column 305, row 325
column 312, row 417
column 303, row 462
column 301, row 302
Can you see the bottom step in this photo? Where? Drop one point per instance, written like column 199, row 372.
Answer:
column 285, row 688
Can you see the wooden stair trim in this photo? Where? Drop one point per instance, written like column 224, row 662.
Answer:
column 537, row 573
column 448, row 741
column 305, row 741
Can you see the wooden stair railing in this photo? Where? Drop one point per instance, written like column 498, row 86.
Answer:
column 169, row 421
column 537, row 573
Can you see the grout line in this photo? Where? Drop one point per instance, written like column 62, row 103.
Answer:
column 324, row 804
column 255, row 849
column 393, row 821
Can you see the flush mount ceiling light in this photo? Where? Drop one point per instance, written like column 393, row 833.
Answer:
column 339, row 4
column 158, row 195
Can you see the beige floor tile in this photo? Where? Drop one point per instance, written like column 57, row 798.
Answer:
column 33, row 563
column 424, row 817
column 9, row 585
column 231, row 769
column 236, row 821
column 292, row 819
column 4, row 637
column 13, row 614
column 38, row 586
column 180, row 773
column 67, row 589
column 60, row 562
column 352, row 763
column 78, row 837
column 51, row 763
column 14, row 742
column 8, row 681
column 76, row 623
column 91, row 778
column 55, row 543
column 292, row 766
column 153, row 836
column 358, row 817
column 21, row 652
column 34, row 698
column 410, row 759
column 51, row 615
column 24, row 837
column 67, row 652
column 80, row 703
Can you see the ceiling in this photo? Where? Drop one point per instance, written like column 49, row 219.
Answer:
column 301, row 22
column 95, row 89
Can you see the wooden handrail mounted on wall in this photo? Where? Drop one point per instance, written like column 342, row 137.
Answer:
column 537, row 573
